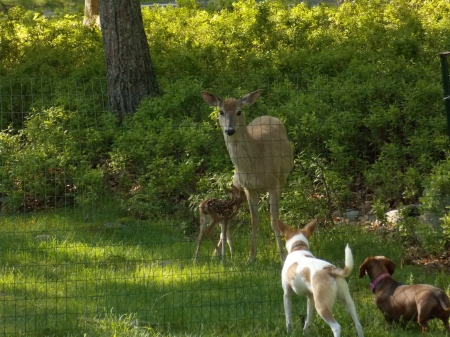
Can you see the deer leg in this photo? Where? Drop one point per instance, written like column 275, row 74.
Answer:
column 223, row 237
column 252, row 198
column 221, row 242
column 274, row 199
column 200, row 239
column 230, row 242
column 209, row 232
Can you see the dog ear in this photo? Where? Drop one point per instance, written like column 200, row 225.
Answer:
column 310, row 228
column 281, row 226
column 362, row 268
column 390, row 266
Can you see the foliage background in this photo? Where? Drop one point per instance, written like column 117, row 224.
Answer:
column 358, row 86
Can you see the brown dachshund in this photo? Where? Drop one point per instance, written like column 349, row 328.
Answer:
column 399, row 302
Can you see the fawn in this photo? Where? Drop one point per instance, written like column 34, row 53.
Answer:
column 214, row 211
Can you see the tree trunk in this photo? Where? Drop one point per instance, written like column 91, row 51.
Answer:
column 130, row 72
column 91, row 13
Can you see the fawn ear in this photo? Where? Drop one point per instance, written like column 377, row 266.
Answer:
column 390, row 266
column 250, row 98
column 211, row 99
column 239, row 192
column 228, row 191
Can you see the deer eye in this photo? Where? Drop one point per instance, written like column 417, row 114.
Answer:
column 238, row 113
column 221, row 112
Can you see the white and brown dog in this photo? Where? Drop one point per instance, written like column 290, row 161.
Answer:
column 319, row 280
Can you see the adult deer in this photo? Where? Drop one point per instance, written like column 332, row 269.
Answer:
column 261, row 154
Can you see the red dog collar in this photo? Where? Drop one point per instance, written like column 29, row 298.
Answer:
column 377, row 280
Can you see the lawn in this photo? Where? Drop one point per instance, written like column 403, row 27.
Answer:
column 71, row 272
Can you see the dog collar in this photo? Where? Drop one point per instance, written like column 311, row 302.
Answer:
column 377, row 280
column 295, row 240
column 299, row 244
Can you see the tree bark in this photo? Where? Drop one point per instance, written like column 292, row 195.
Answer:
column 91, row 13
column 130, row 73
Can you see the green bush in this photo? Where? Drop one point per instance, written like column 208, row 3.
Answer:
column 56, row 158
column 436, row 196
column 163, row 151
column 357, row 85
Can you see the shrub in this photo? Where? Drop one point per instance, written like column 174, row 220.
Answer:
column 357, row 86
column 436, row 196
column 55, row 158
column 164, row 150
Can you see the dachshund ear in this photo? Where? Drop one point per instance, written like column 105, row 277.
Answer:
column 390, row 266
column 362, row 268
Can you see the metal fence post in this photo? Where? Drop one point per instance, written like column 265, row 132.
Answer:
column 446, row 85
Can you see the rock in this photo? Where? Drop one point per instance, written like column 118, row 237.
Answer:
column 111, row 225
column 393, row 217
column 432, row 219
column 43, row 238
column 351, row 214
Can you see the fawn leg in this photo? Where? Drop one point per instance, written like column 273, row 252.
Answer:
column 209, row 232
column 199, row 241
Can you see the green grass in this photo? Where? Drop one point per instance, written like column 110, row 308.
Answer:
column 96, row 272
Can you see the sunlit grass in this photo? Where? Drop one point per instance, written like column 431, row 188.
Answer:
column 96, row 272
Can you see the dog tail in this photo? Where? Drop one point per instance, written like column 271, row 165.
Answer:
column 348, row 265
column 444, row 305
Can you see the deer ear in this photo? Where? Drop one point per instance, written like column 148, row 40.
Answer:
column 211, row 99
column 250, row 98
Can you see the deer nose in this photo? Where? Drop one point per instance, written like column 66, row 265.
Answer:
column 229, row 131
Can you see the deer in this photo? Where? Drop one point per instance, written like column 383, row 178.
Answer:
column 215, row 211
column 261, row 154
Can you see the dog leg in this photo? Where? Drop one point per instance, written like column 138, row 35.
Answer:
column 325, row 291
column 350, row 306
column 288, row 307
column 423, row 313
column 327, row 316
column 347, row 302
column 447, row 327
column 310, row 307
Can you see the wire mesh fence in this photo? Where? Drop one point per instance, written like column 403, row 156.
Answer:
column 92, row 234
